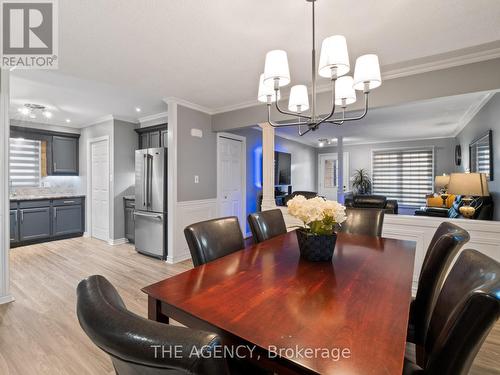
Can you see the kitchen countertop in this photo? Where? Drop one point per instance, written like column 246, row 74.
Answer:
column 16, row 198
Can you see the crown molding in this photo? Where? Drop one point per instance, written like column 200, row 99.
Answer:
column 189, row 104
column 156, row 116
column 472, row 112
column 102, row 119
column 444, row 61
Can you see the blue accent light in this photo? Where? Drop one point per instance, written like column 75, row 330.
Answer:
column 257, row 165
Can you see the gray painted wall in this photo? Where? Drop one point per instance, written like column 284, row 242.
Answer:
column 360, row 156
column 304, row 164
column 481, row 76
column 487, row 118
column 126, row 141
column 195, row 156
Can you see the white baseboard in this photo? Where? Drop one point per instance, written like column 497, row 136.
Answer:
column 118, row 241
column 6, row 299
column 86, row 234
column 178, row 258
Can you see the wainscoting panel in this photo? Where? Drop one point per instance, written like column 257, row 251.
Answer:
column 189, row 212
column 485, row 235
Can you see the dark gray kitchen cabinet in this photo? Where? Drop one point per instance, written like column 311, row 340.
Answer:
column 153, row 136
column 64, row 155
column 129, row 220
column 67, row 220
column 34, row 223
column 14, row 226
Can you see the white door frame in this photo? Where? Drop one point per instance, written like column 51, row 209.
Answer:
column 243, row 141
column 345, row 174
column 89, row 184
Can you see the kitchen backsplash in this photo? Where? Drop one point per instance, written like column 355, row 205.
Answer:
column 51, row 185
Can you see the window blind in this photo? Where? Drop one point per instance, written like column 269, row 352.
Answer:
column 404, row 175
column 481, row 159
column 24, row 162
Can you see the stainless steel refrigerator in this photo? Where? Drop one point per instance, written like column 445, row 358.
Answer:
column 151, row 202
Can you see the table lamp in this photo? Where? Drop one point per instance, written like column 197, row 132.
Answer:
column 468, row 185
column 441, row 185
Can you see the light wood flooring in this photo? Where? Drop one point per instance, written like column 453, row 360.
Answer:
column 39, row 332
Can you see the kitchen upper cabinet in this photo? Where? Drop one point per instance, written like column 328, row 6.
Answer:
column 34, row 223
column 14, row 226
column 64, row 155
column 153, row 136
column 67, row 220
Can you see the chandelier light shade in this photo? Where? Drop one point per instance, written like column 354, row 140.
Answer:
column 344, row 91
column 334, row 65
column 276, row 69
column 367, row 71
column 299, row 99
column 266, row 93
column 334, row 56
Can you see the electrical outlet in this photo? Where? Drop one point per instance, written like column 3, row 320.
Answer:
column 196, row 179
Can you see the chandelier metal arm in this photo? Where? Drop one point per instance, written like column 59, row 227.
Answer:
column 364, row 112
column 276, row 125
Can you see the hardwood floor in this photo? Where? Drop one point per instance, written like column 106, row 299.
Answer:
column 39, row 332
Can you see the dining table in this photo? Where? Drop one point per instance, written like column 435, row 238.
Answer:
column 347, row 316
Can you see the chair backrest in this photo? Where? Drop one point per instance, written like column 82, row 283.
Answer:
column 138, row 346
column 466, row 310
column 212, row 239
column 365, row 221
column 444, row 246
column 266, row 224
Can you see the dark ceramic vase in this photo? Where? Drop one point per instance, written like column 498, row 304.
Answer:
column 316, row 248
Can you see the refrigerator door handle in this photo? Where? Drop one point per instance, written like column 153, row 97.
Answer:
column 144, row 180
column 152, row 216
column 150, row 179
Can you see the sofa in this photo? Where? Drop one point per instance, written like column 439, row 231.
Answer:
column 484, row 209
column 390, row 206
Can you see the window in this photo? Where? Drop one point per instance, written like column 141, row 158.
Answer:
column 330, row 174
column 406, row 175
column 24, row 162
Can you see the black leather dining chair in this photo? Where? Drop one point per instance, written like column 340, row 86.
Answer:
column 212, row 239
column 444, row 246
column 266, row 224
column 130, row 340
column 466, row 309
column 364, row 221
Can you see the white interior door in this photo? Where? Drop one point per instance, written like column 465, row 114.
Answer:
column 231, row 178
column 100, row 189
column 328, row 175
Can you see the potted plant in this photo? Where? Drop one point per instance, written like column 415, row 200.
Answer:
column 361, row 182
column 317, row 237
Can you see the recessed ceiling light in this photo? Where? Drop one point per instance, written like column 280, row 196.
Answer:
column 47, row 114
column 68, row 121
column 32, row 115
column 137, row 109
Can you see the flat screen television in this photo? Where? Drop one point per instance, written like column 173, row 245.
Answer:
column 282, row 168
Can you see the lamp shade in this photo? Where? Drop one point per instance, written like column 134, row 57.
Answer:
column 441, row 182
column 344, row 92
column 471, row 184
column 276, row 67
column 265, row 91
column 298, row 97
column 334, row 54
column 367, row 70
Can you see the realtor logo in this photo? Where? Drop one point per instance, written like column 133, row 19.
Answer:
column 29, row 34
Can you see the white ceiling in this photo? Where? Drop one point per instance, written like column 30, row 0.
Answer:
column 115, row 55
column 436, row 118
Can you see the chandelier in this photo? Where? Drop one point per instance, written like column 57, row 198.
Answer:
column 333, row 64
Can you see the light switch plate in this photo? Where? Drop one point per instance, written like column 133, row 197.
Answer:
column 196, row 179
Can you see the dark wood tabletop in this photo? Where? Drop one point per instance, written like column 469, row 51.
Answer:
column 266, row 295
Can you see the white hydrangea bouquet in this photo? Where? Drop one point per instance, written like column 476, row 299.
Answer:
column 317, row 238
column 318, row 215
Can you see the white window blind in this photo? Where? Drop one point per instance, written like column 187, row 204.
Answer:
column 405, row 175
column 480, row 158
column 24, row 162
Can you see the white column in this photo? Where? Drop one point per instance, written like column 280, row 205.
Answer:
column 5, row 295
column 340, row 169
column 268, row 200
